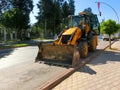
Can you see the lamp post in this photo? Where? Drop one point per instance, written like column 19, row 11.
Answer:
column 111, row 8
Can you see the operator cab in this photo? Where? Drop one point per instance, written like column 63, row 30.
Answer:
column 85, row 20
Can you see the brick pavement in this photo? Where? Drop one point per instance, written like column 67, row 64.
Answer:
column 102, row 73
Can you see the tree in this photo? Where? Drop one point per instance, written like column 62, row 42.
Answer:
column 7, row 16
column 57, row 16
column 7, row 22
column 65, row 10
column 4, row 4
column 45, row 15
column 109, row 27
column 21, row 17
column 118, row 25
column 49, row 14
column 17, row 13
column 36, row 31
column 71, row 7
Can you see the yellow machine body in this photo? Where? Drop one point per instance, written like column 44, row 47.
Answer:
column 71, row 44
column 75, row 31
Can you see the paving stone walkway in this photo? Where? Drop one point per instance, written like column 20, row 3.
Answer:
column 102, row 73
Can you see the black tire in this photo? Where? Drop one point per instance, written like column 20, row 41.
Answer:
column 76, row 58
column 83, row 49
column 92, row 45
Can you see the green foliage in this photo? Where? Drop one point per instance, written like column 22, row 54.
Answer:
column 1, row 26
column 118, row 25
column 15, row 14
column 71, row 7
column 25, row 6
column 109, row 27
column 51, row 13
column 5, row 5
column 15, row 19
column 65, row 10
column 7, row 19
column 36, row 32
column 22, row 11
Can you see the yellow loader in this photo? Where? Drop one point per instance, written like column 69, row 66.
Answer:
column 75, row 41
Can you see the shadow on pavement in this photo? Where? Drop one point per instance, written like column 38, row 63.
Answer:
column 6, row 52
column 106, row 57
column 87, row 69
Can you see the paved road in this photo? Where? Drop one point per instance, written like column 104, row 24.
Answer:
column 19, row 72
column 16, row 56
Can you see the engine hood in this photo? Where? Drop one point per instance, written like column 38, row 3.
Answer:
column 70, row 31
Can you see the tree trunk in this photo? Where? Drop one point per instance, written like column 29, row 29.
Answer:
column 109, row 41
column 5, row 37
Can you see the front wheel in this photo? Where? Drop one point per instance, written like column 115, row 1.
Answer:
column 83, row 49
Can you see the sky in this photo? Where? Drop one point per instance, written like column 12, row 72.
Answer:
column 110, row 9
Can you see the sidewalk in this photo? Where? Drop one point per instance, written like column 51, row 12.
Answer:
column 102, row 73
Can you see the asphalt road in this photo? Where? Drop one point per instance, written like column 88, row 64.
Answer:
column 10, row 57
column 19, row 72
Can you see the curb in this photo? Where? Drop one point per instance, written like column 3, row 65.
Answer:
column 59, row 78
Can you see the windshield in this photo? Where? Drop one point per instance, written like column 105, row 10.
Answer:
column 74, row 21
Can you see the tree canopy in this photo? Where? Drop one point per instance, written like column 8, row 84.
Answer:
column 71, row 7
column 15, row 14
column 109, row 27
column 51, row 13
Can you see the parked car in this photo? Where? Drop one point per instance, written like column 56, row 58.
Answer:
column 106, row 37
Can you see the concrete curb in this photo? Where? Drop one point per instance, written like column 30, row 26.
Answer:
column 55, row 81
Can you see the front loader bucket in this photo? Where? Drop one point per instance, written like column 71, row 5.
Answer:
column 60, row 54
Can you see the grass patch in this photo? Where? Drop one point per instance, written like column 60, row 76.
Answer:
column 20, row 45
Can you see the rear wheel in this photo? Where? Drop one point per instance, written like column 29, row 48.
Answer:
column 92, row 43
column 83, row 49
